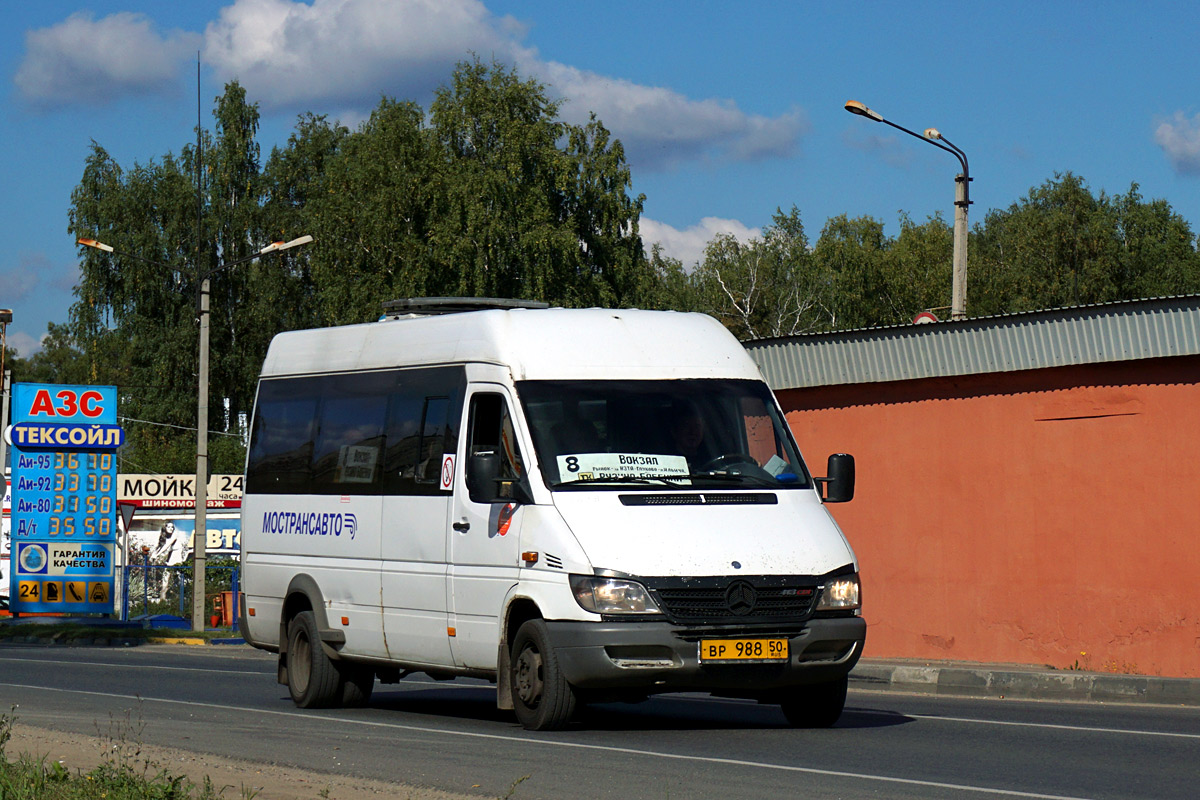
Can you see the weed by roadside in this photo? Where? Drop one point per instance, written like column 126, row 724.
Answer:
column 124, row 773
column 71, row 632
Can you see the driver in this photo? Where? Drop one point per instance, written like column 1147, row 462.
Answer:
column 687, row 432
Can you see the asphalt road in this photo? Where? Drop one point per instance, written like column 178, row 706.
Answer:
column 450, row 736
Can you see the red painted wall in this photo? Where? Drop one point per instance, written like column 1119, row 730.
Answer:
column 1041, row 517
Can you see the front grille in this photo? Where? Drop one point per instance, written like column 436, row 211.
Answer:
column 724, row 600
column 706, row 499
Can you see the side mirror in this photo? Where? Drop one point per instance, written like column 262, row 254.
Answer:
column 839, row 486
column 484, row 484
column 482, row 473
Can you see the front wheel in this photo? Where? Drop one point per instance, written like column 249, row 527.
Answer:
column 816, row 706
column 542, row 698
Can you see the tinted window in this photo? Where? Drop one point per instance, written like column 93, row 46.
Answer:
column 348, row 456
column 281, row 441
column 354, row 433
column 422, row 427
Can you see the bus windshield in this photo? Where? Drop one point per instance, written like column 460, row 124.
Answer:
column 656, row 434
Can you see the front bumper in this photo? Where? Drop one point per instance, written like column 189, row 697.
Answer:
column 656, row 657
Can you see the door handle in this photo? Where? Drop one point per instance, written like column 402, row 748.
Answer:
column 462, row 527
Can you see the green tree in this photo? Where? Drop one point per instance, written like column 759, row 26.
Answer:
column 671, row 287
column 370, row 213
column 917, row 270
column 523, row 215
column 766, row 287
column 1157, row 248
column 1061, row 245
column 852, row 252
column 59, row 360
column 135, row 316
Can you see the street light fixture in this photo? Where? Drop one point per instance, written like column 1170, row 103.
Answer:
column 962, row 181
column 5, row 318
column 200, row 536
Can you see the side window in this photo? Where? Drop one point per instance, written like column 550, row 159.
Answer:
column 348, row 456
column 355, row 433
column 492, row 431
column 423, row 408
column 432, row 440
column 281, row 443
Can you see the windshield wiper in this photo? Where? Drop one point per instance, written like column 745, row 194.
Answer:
column 733, row 477
column 671, row 481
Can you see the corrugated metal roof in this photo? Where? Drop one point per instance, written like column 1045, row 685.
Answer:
column 1124, row 331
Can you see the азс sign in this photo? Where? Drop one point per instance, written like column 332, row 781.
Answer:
column 64, row 476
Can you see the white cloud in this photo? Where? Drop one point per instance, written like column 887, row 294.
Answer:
column 85, row 60
column 688, row 244
column 1179, row 138
column 343, row 55
column 347, row 53
column 23, row 344
column 350, row 51
column 660, row 127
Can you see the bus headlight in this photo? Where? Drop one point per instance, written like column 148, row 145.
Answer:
column 612, row 595
column 840, row 594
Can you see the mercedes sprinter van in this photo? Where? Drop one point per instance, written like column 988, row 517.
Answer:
column 580, row 505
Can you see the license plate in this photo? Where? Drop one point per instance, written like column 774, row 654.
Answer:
column 743, row 649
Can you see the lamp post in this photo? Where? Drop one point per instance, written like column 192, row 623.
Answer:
column 200, row 536
column 962, row 181
column 5, row 318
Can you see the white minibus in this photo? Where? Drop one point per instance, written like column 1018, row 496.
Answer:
column 581, row 505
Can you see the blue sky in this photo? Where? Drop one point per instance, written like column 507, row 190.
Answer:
column 728, row 111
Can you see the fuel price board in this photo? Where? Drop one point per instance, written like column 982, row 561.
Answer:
column 64, row 477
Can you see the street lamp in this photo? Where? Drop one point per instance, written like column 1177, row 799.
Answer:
column 200, row 536
column 5, row 318
column 962, row 181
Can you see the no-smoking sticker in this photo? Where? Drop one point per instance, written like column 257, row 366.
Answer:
column 448, row 471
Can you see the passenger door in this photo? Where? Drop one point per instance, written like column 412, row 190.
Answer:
column 484, row 536
column 423, row 417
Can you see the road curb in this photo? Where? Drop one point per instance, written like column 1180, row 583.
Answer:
column 1013, row 682
column 176, row 640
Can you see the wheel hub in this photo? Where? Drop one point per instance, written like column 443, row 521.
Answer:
column 528, row 677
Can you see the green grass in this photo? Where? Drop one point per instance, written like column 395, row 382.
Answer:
column 124, row 773
column 67, row 632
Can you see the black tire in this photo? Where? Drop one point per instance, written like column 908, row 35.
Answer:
column 815, row 706
column 542, row 698
column 313, row 680
column 358, row 682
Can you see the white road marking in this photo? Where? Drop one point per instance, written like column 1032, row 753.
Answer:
column 1081, row 728
column 127, row 665
column 956, row 787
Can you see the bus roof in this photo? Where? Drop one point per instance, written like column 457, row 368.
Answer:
column 535, row 344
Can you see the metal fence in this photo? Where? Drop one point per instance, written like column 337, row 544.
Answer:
column 162, row 594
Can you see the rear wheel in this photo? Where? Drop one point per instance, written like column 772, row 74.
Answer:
column 816, row 706
column 542, row 698
column 313, row 680
column 358, row 682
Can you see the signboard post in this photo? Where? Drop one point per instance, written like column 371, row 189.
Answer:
column 64, row 476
